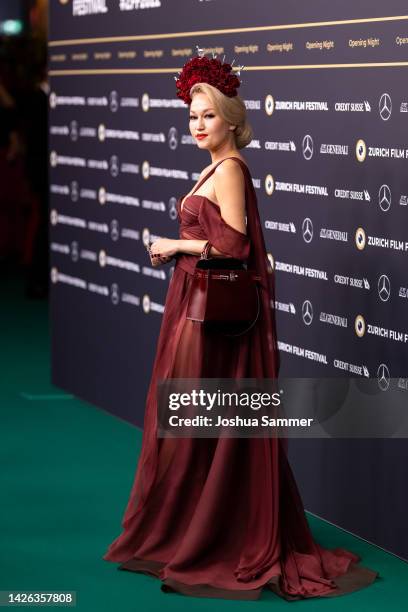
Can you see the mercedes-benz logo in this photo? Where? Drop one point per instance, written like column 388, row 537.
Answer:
column 74, row 251
column 384, row 198
column 385, row 107
column 307, row 230
column 383, row 377
column 307, row 312
column 384, row 287
column 173, row 208
column 114, row 165
column 173, row 138
column 74, row 191
column 113, row 101
column 73, row 130
column 115, row 294
column 307, row 147
column 114, row 229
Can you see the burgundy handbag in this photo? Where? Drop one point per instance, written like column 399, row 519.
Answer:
column 223, row 295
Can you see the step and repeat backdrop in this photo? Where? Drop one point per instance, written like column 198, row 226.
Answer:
column 324, row 87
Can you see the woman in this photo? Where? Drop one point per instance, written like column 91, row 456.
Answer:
column 221, row 517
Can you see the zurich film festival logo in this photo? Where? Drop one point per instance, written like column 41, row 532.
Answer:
column 53, row 217
column 307, row 230
column 269, row 104
column 52, row 99
column 102, row 196
column 307, row 312
column 269, row 184
column 146, row 303
column 53, row 159
column 307, row 147
column 146, row 236
column 146, row 170
column 114, row 294
column 360, row 238
column 385, row 106
column 361, row 150
column 102, row 258
column 384, row 288
column 384, row 198
column 54, row 275
column 145, row 102
column 359, row 325
column 383, row 377
column 101, row 132
column 172, row 207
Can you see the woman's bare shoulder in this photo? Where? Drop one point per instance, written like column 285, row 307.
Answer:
column 227, row 163
column 229, row 171
column 205, row 170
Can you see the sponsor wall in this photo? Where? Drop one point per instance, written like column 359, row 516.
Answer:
column 324, row 88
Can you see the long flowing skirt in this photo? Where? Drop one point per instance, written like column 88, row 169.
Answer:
column 221, row 517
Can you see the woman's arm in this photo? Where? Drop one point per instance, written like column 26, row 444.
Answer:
column 195, row 247
column 229, row 187
column 168, row 247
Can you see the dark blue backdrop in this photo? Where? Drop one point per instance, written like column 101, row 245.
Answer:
column 324, row 88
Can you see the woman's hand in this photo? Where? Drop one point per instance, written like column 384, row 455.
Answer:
column 165, row 247
column 162, row 251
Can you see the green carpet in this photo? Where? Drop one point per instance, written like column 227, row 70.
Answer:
column 67, row 469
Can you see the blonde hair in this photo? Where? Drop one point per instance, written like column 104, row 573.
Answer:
column 232, row 110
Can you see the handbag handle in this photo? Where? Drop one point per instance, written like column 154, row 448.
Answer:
column 206, row 250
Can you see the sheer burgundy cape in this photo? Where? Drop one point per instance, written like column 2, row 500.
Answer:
column 223, row 517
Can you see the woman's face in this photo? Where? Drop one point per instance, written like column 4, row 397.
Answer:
column 208, row 128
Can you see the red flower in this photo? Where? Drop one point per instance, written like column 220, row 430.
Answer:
column 201, row 69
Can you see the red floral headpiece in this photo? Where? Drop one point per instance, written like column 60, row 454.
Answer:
column 201, row 69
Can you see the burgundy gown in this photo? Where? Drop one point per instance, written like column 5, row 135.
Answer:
column 223, row 517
